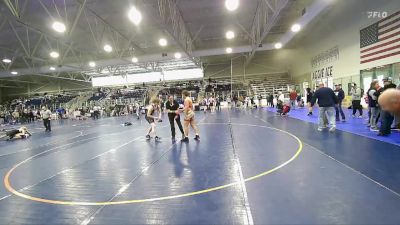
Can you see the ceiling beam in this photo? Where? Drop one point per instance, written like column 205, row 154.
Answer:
column 18, row 81
column 156, row 57
column 58, row 77
column 267, row 13
column 173, row 22
column 6, row 86
column 77, row 17
column 13, row 7
column 112, row 28
column 47, row 36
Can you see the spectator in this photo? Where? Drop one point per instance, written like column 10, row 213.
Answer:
column 293, row 98
column 281, row 96
column 235, row 100
column 373, row 105
column 309, row 97
column 218, row 103
column 390, row 101
column 15, row 116
column 326, row 102
column 96, row 112
column 338, row 108
column 356, row 95
column 270, row 100
column 386, row 117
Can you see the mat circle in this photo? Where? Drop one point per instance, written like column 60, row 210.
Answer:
column 10, row 188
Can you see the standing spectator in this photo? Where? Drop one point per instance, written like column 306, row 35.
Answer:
column 300, row 102
column 271, row 100
column 235, row 101
column 38, row 114
column 205, row 104
column 372, row 104
column 228, row 100
column 309, row 98
column 386, row 117
column 59, row 113
column 293, row 98
column 338, row 108
column 252, row 102
column 46, row 114
column 390, row 101
column 137, row 107
column 31, row 116
column 218, row 103
column 25, row 115
column 397, row 116
column 281, row 97
column 326, row 102
column 356, row 95
column 212, row 103
column 96, row 112
column 15, row 116
column 246, row 102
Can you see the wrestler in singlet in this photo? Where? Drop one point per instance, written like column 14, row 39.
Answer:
column 189, row 117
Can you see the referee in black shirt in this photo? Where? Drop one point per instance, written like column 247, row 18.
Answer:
column 172, row 106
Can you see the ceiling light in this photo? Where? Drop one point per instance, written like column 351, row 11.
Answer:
column 92, row 64
column 14, row 72
column 54, row 54
column 59, row 27
column 278, row 45
column 178, row 55
column 135, row 60
column 134, row 15
column 228, row 50
column 230, row 35
column 232, row 5
column 107, row 48
column 162, row 42
column 296, row 27
column 52, row 68
column 6, row 60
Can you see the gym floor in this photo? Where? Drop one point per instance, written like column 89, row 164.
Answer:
column 250, row 167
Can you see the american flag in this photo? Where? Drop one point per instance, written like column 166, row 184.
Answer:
column 381, row 40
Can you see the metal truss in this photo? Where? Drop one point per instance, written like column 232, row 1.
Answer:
column 176, row 27
column 266, row 16
column 15, row 7
column 142, row 68
column 100, row 28
column 31, row 38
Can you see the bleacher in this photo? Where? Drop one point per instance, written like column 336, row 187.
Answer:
column 97, row 97
column 270, row 84
column 78, row 101
column 127, row 93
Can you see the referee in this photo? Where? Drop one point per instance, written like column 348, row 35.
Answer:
column 172, row 106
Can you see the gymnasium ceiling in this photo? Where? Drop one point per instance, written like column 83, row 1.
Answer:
column 196, row 30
